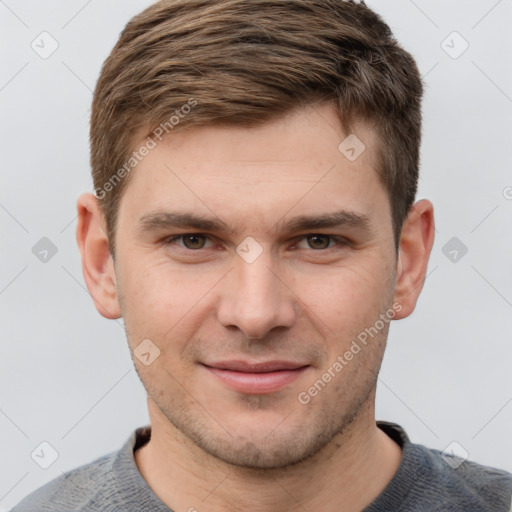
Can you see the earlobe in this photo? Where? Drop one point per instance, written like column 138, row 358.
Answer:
column 97, row 264
column 416, row 240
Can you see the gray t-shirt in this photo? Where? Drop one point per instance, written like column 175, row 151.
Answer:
column 425, row 482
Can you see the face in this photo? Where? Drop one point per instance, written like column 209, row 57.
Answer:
column 253, row 259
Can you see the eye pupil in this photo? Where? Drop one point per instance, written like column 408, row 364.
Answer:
column 318, row 241
column 194, row 241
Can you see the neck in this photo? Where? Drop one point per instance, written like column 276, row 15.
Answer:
column 346, row 476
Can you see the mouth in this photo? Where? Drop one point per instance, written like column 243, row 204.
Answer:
column 256, row 378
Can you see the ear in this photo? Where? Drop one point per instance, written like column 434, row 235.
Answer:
column 416, row 242
column 97, row 263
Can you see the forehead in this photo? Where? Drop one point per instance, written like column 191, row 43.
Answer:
column 301, row 162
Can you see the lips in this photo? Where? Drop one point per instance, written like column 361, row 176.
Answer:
column 267, row 366
column 256, row 377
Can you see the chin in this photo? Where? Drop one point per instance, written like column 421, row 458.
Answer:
column 249, row 454
column 265, row 447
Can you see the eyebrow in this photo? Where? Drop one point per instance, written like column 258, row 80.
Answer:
column 159, row 220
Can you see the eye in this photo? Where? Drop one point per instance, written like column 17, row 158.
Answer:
column 319, row 241
column 192, row 241
column 198, row 241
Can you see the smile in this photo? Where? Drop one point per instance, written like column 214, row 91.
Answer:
column 256, row 378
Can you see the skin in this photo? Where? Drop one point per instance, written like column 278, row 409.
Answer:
column 213, row 448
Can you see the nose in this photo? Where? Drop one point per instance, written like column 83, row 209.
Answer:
column 255, row 298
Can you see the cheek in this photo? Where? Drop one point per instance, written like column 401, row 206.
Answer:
column 163, row 304
column 345, row 296
column 153, row 287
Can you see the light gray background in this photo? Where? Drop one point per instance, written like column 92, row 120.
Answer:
column 66, row 374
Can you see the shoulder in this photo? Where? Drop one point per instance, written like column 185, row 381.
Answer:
column 468, row 482
column 434, row 480
column 109, row 483
column 72, row 490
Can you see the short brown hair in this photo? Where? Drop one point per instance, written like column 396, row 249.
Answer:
column 241, row 62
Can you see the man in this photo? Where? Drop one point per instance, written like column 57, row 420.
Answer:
column 255, row 168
